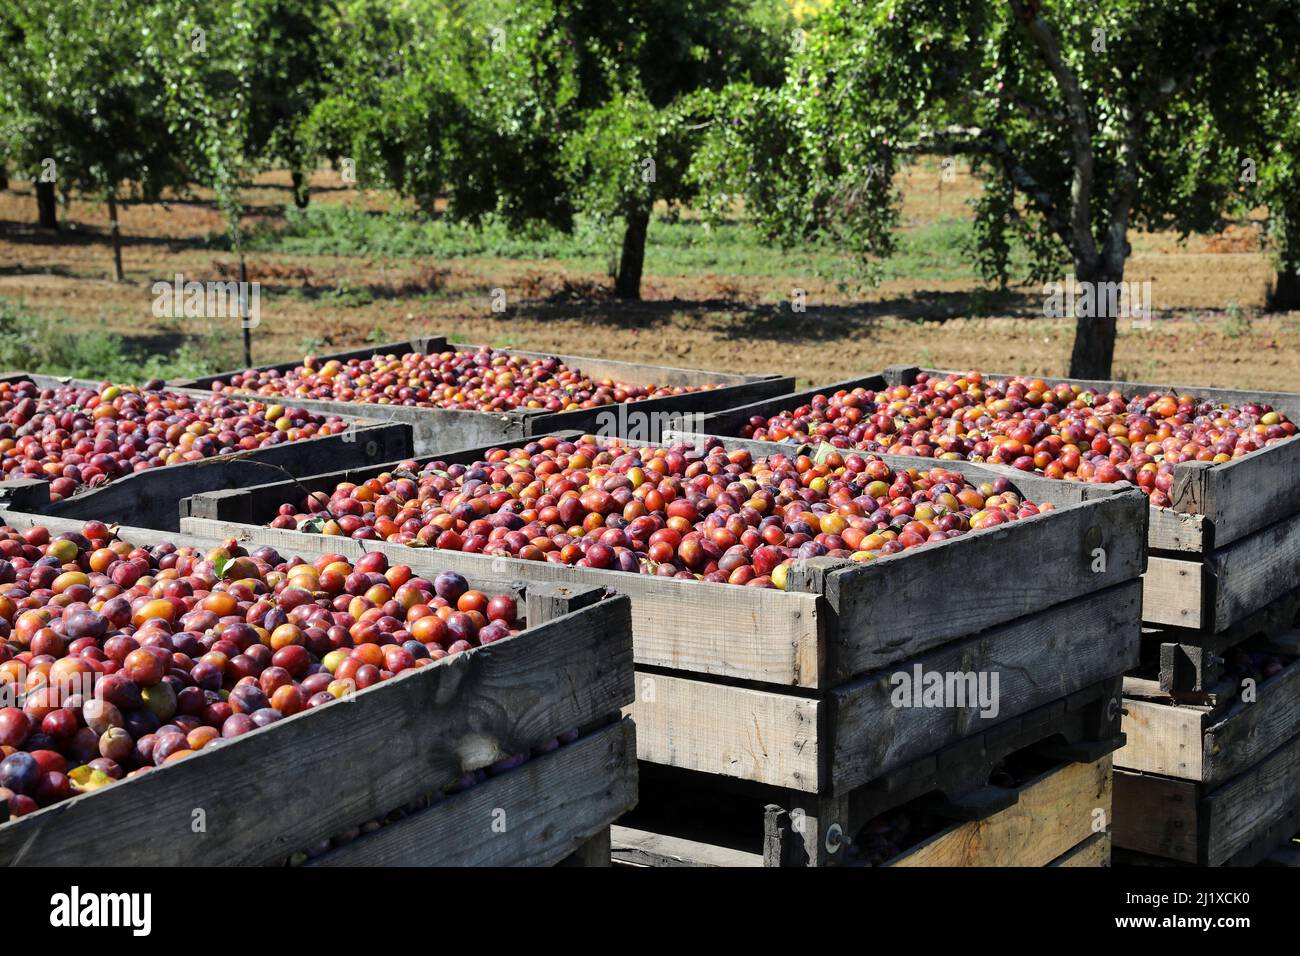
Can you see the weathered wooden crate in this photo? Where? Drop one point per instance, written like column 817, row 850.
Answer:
column 151, row 498
column 1186, row 763
column 438, row 429
column 1235, row 824
column 791, row 689
column 270, row 794
column 1227, row 547
column 1059, row 817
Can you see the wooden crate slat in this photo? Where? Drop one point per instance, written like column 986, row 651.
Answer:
column 1174, row 592
column 1093, row 852
column 1156, row 815
column 407, row 736
column 1239, row 810
column 534, row 815
column 1172, row 530
column 1162, row 738
column 1255, row 570
column 1040, row 658
column 644, row 848
column 1050, row 557
column 1056, row 812
column 757, row 735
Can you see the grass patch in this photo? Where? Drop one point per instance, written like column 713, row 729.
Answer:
column 936, row 251
column 43, row 344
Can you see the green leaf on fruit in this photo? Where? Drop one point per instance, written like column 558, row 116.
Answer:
column 313, row 526
column 824, row 451
column 221, row 564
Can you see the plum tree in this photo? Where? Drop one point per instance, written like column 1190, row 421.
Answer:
column 80, row 109
column 1081, row 121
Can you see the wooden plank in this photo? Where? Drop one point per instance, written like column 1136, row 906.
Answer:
column 1288, row 855
column 1172, row 530
column 731, row 731
column 537, row 814
column 1162, row 738
column 1055, row 813
column 594, row 852
column 1049, row 557
column 1174, row 592
column 1037, row 659
column 347, row 762
column 644, row 848
column 1093, row 852
column 1238, row 811
column 1248, row 732
column 755, row 634
column 1156, row 815
column 1254, row 571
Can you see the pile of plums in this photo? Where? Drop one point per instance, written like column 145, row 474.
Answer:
column 76, row 437
column 485, row 380
column 1061, row 431
column 115, row 659
column 678, row 511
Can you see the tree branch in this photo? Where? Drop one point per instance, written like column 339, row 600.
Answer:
column 1084, row 246
column 972, row 140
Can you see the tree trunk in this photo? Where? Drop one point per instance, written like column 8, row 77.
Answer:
column 46, row 206
column 4, row 177
column 301, row 189
column 1094, row 335
column 631, row 262
column 1284, row 296
column 116, row 233
column 243, row 318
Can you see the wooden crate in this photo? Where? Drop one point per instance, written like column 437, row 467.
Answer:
column 151, row 498
column 1058, row 816
column 1237, row 823
column 262, row 797
column 1185, row 762
column 791, row 689
column 440, row 429
column 1227, row 547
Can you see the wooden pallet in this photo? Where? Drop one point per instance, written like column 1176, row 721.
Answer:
column 690, row 824
column 1227, row 547
column 440, row 429
column 151, row 498
column 267, row 795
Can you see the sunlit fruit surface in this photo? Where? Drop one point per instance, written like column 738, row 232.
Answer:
column 485, row 379
column 1062, row 431
column 76, row 437
column 116, row 659
column 681, row 511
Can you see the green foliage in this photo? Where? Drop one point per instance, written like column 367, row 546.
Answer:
column 74, row 89
column 33, row 342
column 881, row 80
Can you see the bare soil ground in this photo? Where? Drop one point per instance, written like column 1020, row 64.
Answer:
column 1209, row 292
